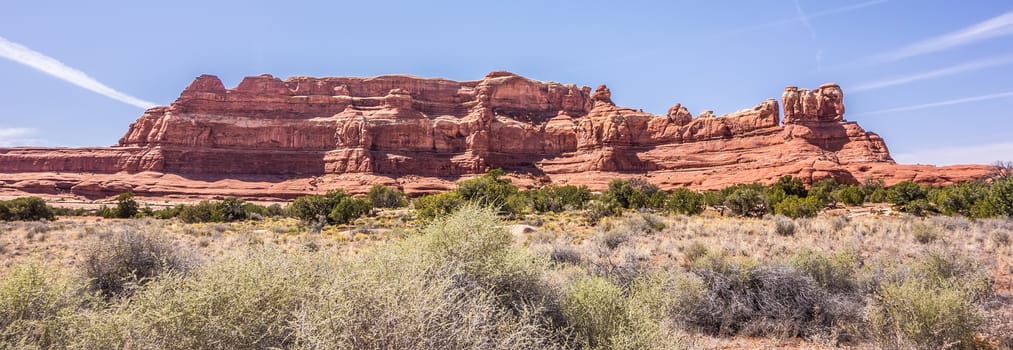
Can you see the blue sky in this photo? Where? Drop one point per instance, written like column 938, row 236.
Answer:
column 935, row 78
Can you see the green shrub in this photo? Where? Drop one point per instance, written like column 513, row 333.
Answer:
column 25, row 209
column 836, row 273
column 714, row 198
column 850, row 195
column 389, row 300
column 233, row 209
column 918, row 207
column 519, row 203
column 473, row 239
column 116, row 265
column 961, row 198
column 1000, row 198
column 489, row 189
column 381, row 196
column 126, row 206
column 433, row 206
column 796, row 207
column 822, row 191
column 243, row 301
column 335, row 207
column 347, row 210
column 905, row 192
column 629, row 194
column 597, row 311
column 34, row 300
column 948, row 269
column 747, row 201
column 913, row 314
column 168, row 212
column 685, row 201
column 597, row 210
column 786, row 186
column 552, row 198
column 204, row 211
column 878, row 195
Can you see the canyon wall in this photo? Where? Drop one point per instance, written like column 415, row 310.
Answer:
column 269, row 138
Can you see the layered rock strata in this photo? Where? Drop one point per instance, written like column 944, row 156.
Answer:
column 269, row 138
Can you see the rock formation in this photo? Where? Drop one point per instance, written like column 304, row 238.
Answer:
column 269, row 138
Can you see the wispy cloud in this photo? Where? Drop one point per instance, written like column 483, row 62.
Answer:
column 945, row 103
column 806, row 18
column 942, row 72
column 21, row 54
column 994, row 27
column 975, row 154
column 19, row 137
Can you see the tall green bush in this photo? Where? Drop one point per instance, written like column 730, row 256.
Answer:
column 685, row 201
column 25, row 209
column 381, row 196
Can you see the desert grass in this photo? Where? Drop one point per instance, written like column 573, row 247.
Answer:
column 474, row 281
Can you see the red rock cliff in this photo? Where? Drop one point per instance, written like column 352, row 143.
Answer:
column 276, row 138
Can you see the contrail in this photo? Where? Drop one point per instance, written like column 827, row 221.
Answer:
column 805, row 18
column 994, row 27
column 942, row 72
column 945, row 103
column 21, row 54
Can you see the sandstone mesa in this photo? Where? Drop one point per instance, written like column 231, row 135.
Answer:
column 269, row 139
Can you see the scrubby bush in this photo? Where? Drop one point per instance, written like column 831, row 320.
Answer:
column 912, row 314
column 784, row 226
column 381, row 196
column 934, row 305
column 519, row 203
column 203, row 211
column 117, row 264
column 918, row 207
column 786, row 186
column 752, row 299
column 432, row 206
column 552, row 198
column 335, row 207
column 25, row 209
column 473, row 239
column 233, row 209
column 126, row 206
column 1000, row 198
column 685, row 201
column 747, row 201
column 489, row 189
column 714, row 198
column 961, row 198
column 796, row 207
column 822, row 191
column 924, row 233
column 835, row 272
column 247, row 300
column 850, row 195
column 630, row 194
column 347, row 210
column 597, row 210
column 905, row 192
column 34, row 300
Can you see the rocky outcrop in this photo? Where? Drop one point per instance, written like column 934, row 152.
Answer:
column 273, row 138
